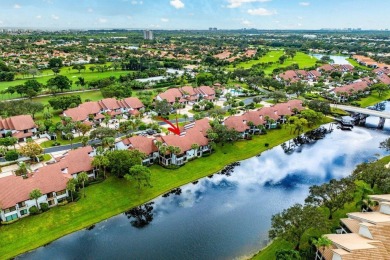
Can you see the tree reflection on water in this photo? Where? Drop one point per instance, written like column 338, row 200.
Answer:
column 141, row 216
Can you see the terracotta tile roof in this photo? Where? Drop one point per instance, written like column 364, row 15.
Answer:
column 370, row 217
column 351, row 241
column 354, row 87
column 206, row 90
column 200, row 126
column 255, row 117
column 384, row 79
column 184, row 142
column 20, row 123
column 20, row 135
column 326, row 67
column 170, row 95
column 315, row 73
column 15, row 189
column 109, row 104
column 141, row 143
column 238, row 123
column 270, row 112
column 77, row 160
column 133, row 102
column 188, row 90
column 289, row 75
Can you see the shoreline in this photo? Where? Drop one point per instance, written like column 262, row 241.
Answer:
column 279, row 136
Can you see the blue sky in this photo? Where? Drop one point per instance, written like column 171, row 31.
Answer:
column 195, row 14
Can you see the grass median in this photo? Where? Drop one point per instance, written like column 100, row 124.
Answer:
column 114, row 196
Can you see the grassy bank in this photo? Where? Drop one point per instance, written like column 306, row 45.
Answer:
column 114, row 196
column 373, row 99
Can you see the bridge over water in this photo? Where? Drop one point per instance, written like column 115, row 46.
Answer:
column 362, row 113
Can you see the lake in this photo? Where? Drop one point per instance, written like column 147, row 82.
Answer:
column 335, row 58
column 223, row 216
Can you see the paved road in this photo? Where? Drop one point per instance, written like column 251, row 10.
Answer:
column 364, row 111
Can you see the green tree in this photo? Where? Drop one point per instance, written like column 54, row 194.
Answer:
column 321, row 244
column 141, row 174
column 312, row 116
column 101, row 162
column 292, row 223
column 33, row 108
column 55, row 63
column 333, row 195
column 371, row 173
column 64, row 102
column 59, row 82
column 82, row 177
column 380, row 88
column 287, row 254
column 122, row 160
column 71, row 186
column 35, row 194
column 102, row 132
column 31, row 150
column 163, row 108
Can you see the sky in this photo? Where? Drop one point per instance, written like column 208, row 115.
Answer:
column 195, row 14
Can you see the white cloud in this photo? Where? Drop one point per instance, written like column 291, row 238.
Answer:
column 90, row 10
column 17, row 6
column 55, row 17
column 1, row 22
column 238, row 3
column 261, row 11
column 177, row 4
column 164, row 20
column 304, row 3
column 300, row 17
column 102, row 20
column 38, row 16
column 246, row 22
column 129, row 17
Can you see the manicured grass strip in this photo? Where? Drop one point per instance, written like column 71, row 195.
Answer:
column 268, row 253
column 357, row 65
column 114, row 196
column 373, row 99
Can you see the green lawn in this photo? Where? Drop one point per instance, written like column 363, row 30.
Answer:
column 48, row 144
column 302, row 59
column 268, row 253
column 373, row 99
column 72, row 75
column 114, row 196
column 357, row 65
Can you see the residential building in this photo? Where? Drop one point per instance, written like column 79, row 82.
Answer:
column 192, row 133
column 252, row 122
column 95, row 111
column 51, row 180
column 148, row 35
column 187, row 94
column 350, row 90
column 21, row 127
column 363, row 235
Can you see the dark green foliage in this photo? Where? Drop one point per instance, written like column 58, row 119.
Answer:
column 333, row 195
column 320, row 106
column 11, row 155
column 33, row 210
column 64, row 102
column 287, row 254
column 122, row 160
column 44, row 206
column 102, row 132
column 116, row 90
column 59, row 82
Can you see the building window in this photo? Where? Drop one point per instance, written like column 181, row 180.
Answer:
column 22, row 204
column 62, row 192
column 23, row 212
column 51, row 202
column 12, row 217
column 50, row 195
column 10, row 209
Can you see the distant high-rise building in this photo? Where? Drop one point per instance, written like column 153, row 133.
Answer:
column 148, row 35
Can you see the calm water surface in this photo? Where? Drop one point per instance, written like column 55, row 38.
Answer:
column 222, row 217
column 336, row 59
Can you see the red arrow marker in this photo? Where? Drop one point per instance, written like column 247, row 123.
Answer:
column 174, row 129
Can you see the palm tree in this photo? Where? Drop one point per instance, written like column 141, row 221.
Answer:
column 70, row 137
column 185, row 116
column 23, row 169
column 322, row 243
column 71, row 186
column 365, row 201
column 35, row 194
column 82, row 177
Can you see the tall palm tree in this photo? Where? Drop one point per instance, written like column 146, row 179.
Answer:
column 35, row 194
column 82, row 177
column 71, row 186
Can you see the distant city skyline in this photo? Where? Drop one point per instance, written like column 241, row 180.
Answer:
column 194, row 14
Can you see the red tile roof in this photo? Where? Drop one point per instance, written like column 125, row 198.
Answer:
column 289, row 75
column 238, row 123
column 15, row 189
column 77, row 160
column 354, row 87
column 141, row 143
column 384, row 79
column 133, row 102
column 170, row 95
column 20, row 123
column 109, row 104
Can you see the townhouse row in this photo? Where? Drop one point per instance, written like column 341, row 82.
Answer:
column 51, row 180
